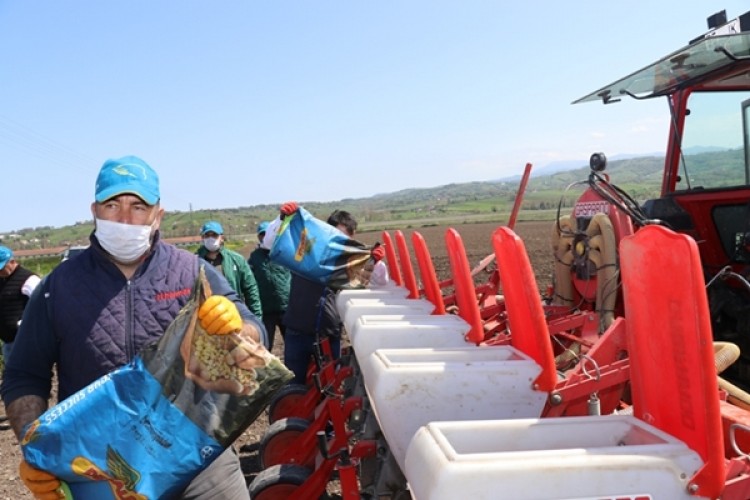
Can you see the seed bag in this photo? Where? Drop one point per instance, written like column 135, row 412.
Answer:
column 146, row 429
column 315, row 250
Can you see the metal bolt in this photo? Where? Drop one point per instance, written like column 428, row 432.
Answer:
column 555, row 398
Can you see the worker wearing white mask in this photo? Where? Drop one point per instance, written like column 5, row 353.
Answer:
column 231, row 264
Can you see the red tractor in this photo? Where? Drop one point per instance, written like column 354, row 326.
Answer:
column 705, row 188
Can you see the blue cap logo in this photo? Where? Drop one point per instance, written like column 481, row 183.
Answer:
column 5, row 255
column 127, row 175
column 263, row 227
column 212, row 227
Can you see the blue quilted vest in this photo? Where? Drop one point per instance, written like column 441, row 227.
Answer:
column 102, row 320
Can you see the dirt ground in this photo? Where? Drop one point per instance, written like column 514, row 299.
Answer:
column 477, row 241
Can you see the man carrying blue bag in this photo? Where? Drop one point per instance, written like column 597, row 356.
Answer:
column 323, row 252
column 95, row 312
column 324, row 258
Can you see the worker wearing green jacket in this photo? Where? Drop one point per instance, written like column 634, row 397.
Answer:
column 231, row 264
column 273, row 282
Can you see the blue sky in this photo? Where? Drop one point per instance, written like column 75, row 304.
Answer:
column 237, row 103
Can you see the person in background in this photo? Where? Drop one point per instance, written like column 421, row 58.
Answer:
column 379, row 276
column 273, row 283
column 94, row 312
column 312, row 314
column 16, row 285
column 232, row 265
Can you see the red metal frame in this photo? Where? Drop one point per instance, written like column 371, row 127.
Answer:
column 390, row 259
column 670, row 340
column 526, row 317
column 325, row 376
column 604, row 370
column 331, row 410
column 410, row 281
column 519, row 196
column 466, row 297
column 427, row 273
column 603, row 365
column 697, row 204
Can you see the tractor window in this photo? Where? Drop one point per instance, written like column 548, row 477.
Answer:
column 713, row 141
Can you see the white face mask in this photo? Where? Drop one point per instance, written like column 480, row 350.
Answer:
column 211, row 244
column 125, row 242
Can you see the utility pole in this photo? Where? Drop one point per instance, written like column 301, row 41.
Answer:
column 192, row 226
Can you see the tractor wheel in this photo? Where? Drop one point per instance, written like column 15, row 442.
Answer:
column 281, row 438
column 278, row 482
column 286, row 403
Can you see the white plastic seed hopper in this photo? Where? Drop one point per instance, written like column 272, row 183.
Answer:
column 670, row 448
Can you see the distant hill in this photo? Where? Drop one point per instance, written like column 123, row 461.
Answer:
column 558, row 166
column 639, row 176
column 566, row 165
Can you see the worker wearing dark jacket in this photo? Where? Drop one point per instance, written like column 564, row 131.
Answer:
column 312, row 314
column 94, row 312
column 16, row 285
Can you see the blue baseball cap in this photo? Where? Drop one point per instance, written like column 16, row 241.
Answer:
column 263, row 226
column 127, row 175
column 212, row 227
column 5, row 255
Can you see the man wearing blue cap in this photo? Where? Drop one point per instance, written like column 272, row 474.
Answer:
column 16, row 285
column 273, row 283
column 231, row 264
column 94, row 312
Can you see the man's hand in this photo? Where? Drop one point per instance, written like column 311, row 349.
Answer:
column 226, row 363
column 219, row 316
column 377, row 253
column 288, row 208
column 42, row 484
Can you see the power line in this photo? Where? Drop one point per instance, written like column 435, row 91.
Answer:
column 32, row 143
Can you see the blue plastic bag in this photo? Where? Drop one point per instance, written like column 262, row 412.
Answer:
column 319, row 252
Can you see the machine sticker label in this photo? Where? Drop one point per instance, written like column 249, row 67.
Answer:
column 591, row 208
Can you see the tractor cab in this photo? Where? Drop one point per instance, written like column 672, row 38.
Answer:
column 706, row 179
column 705, row 188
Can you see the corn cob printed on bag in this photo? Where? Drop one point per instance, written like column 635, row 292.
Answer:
column 318, row 251
column 146, row 429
